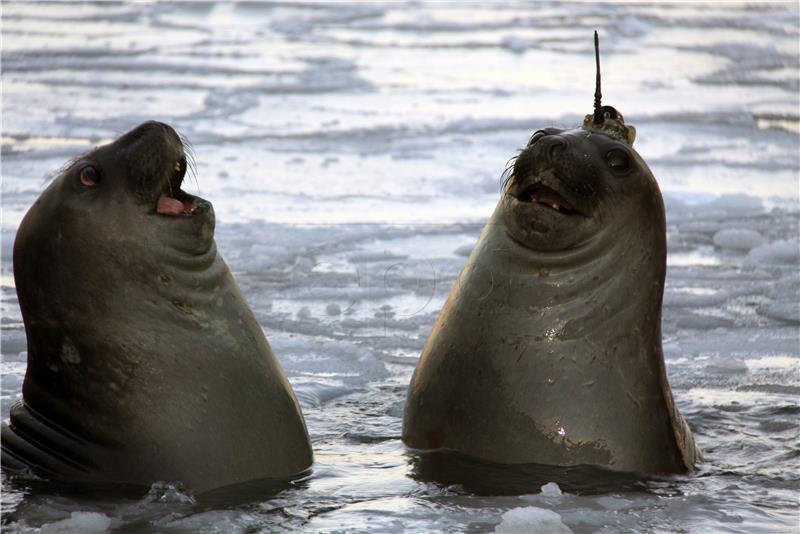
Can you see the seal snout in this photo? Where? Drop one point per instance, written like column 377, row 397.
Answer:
column 155, row 157
column 553, row 171
column 159, row 152
column 542, row 184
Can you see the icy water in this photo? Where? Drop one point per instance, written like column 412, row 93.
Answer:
column 354, row 151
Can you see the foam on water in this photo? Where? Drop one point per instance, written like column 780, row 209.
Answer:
column 353, row 152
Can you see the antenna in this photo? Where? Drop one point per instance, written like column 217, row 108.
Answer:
column 598, row 113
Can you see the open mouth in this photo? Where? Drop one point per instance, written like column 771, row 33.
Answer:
column 175, row 202
column 542, row 195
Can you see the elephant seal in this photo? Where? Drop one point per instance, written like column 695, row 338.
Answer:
column 145, row 362
column 548, row 348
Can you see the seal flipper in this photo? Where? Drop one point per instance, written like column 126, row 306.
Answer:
column 31, row 443
column 684, row 439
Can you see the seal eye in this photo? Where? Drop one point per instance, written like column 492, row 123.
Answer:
column 90, row 176
column 618, row 161
column 536, row 136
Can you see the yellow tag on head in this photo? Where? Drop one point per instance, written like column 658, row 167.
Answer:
column 613, row 125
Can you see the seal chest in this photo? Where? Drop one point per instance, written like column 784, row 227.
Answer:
column 548, row 349
column 145, row 362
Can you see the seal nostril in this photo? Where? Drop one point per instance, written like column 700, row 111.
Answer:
column 555, row 146
column 554, row 151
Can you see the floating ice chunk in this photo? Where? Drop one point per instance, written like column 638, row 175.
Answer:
column 397, row 409
column 165, row 492
column 315, row 394
column 703, row 322
column 781, row 311
column 464, row 250
column 784, row 303
column 518, row 44
column 342, row 361
column 613, row 502
column 774, row 362
column 631, row 26
column 531, row 519
column 702, row 227
column 725, row 365
column 694, row 297
column 675, row 205
column 228, row 521
column 370, row 257
column 738, row 239
column 303, row 264
column 737, row 203
column 777, row 252
column 551, row 489
column 84, row 522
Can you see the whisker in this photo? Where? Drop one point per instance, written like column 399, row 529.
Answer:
column 508, row 172
column 191, row 165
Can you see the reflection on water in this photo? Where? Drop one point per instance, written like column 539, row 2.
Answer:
column 449, row 468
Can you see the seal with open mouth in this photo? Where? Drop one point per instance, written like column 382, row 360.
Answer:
column 145, row 362
column 548, row 349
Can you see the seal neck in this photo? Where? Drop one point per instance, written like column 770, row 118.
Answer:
column 608, row 275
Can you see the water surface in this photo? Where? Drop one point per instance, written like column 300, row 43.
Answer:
column 354, row 151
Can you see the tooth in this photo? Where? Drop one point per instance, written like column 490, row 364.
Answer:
column 178, row 167
column 554, row 206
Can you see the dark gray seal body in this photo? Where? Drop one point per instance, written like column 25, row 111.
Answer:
column 145, row 362
column 548, row 349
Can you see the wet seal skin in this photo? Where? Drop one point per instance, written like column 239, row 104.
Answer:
column 145, row 362
column 548, row 349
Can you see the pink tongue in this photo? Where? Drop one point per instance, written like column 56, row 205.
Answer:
column 169, row 206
